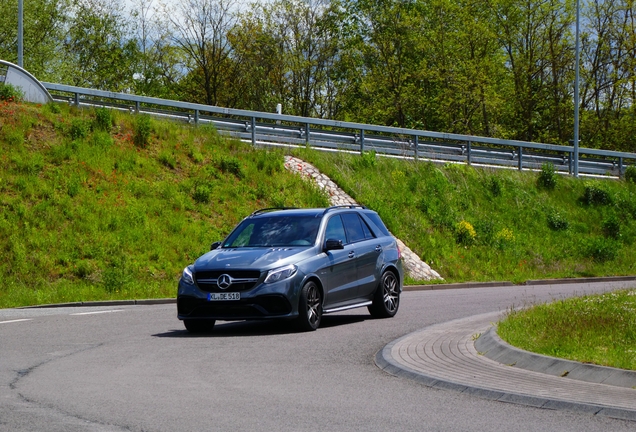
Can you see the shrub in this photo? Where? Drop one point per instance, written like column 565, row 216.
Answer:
column 557, row 222
column 612, row 227
column 202, row 194
column 366, row 160
column 547, row 177
column 231, row 165
column 494, row 186
column 103, row 119
column 465, row 233
column 167, row 159
column 10, row 93
column 595, row 195
column 630, row 174
column 80, row 129
column 601, row 249
column 142, row 129
column 504, row 237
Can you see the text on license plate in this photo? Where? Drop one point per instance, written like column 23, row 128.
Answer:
column 224, row 296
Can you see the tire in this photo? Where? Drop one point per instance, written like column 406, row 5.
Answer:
column 386, row 299
column 309, row 307
column 199, row 325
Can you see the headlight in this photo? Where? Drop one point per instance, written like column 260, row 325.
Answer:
column 186, row 277
column 280, row 274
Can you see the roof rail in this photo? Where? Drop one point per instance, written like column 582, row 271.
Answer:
column 269, row 209
column 350, row 206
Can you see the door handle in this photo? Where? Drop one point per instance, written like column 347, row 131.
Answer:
column 352, row 254
column 378, row 248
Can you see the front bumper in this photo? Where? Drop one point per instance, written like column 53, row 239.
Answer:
column 262, row 302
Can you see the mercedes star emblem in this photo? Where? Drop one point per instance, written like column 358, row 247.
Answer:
column 224, row 281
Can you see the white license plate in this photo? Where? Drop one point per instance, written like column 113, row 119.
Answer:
column 224, row 296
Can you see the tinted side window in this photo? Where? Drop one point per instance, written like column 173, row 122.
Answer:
column 367, row 231
column 353, row 225
column 378, row 222
column 335, row 230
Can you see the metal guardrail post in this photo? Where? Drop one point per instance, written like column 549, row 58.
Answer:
column 253, row 127
column 417, row 144
column 361, row 141
column 520, row 158
column 137, row 107
column 307, row 132
column 468, row 154
column 570, row 163
column 196, row 117
column 620, row 167
column 76, row 99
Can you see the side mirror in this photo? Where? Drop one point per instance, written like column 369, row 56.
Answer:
column 215, row 245
column 333, row 244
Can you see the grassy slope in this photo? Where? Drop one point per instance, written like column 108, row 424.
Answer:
column 87, row 214
column 521, row 231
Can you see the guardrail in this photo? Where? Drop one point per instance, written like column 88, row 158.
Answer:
column 262, row 128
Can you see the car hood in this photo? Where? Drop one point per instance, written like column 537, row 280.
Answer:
column 256, row 258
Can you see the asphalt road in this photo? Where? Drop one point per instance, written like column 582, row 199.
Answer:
column 135, row 368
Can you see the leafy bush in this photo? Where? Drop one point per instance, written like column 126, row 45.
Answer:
column 142, row 129
column 80, row 128
column 557, row 222
column 612, row 227
column 630, row 174
column 202, row 194
column 494, row 185
column 465, row 233
column 595, row 195
column 10, row 93
column 231, row 165
column 601, row 249
column 366, row 160
column 547, row 177
column 504, row 237
column 167, row 159
column 103, row 119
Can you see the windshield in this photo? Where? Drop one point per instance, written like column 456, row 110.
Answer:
column 275, row 231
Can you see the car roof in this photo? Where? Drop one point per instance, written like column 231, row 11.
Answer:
column 279, row 211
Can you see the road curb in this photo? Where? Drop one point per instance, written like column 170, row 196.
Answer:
column 103, row 303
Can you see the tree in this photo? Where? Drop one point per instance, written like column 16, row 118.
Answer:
column 43, row 22
column 98, row 51
column 199, row 29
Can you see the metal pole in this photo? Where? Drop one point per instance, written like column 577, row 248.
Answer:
column 20, row 33
column 576, row 93
column 361, row 141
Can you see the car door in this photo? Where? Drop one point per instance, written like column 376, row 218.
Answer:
column 366, row 249
column 339, row 274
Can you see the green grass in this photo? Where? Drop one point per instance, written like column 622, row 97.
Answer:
column 99, row 206
column 490, row 225
column 599, row 329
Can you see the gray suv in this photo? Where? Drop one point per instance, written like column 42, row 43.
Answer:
column 297, row 264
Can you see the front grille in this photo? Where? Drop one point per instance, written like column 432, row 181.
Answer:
column 240, row 280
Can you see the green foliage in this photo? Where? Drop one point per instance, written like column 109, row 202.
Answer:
column 595, row 329
column 601, row 249
column 547, row 178
column 495, row 186
column 142, row 128
column 630, row 174
column 10, row 93
column 557, row 222
column 465, row 233
column 594, row 194
column 80, row 128
column 104, row 119
column 98, row 217
column 612, row 226
column 231, row 165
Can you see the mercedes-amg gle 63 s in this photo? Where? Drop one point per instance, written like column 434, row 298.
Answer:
column 297, row 264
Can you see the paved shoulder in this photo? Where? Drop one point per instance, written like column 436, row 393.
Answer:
column 445, row 356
